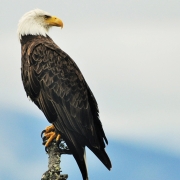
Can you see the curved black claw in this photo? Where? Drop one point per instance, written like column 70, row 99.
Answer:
column 44, row 142
column 46, row 149
column 44, row 138
column 43, row 133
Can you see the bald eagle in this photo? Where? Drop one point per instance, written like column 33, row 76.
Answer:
column 55, row 84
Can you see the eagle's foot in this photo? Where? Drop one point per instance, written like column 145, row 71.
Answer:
column 49, row 134
column 50, row 128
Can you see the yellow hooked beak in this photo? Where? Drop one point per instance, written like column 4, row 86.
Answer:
column 54, row 21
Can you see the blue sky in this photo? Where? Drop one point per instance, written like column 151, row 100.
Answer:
column 23, row 156
column 129, row 54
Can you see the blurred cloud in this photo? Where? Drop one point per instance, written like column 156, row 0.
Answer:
column 23, row 156
column 128, row 52
column 19, row 147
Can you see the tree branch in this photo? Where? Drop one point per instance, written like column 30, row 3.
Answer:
column 54, row 152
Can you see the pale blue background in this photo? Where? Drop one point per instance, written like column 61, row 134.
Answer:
column 129, row 54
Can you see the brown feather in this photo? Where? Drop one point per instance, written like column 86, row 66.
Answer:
column 54, row 82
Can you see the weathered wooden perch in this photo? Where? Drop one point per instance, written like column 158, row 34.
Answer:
column 54, row 150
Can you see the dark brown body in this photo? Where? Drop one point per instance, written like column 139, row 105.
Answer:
column 55, row 84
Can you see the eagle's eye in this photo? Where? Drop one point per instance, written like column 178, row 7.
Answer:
column 46, row 16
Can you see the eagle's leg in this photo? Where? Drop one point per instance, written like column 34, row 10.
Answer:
column 50, row 134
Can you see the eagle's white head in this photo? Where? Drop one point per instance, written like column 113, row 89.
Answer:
column 37, row 22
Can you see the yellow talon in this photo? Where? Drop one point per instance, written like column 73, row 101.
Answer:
column 58, row 137
column 50, row 134
column 50, row 128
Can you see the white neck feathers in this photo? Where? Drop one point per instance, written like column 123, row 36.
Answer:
column 32, row 23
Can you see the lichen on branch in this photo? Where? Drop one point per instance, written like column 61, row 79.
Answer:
column 54, row 170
